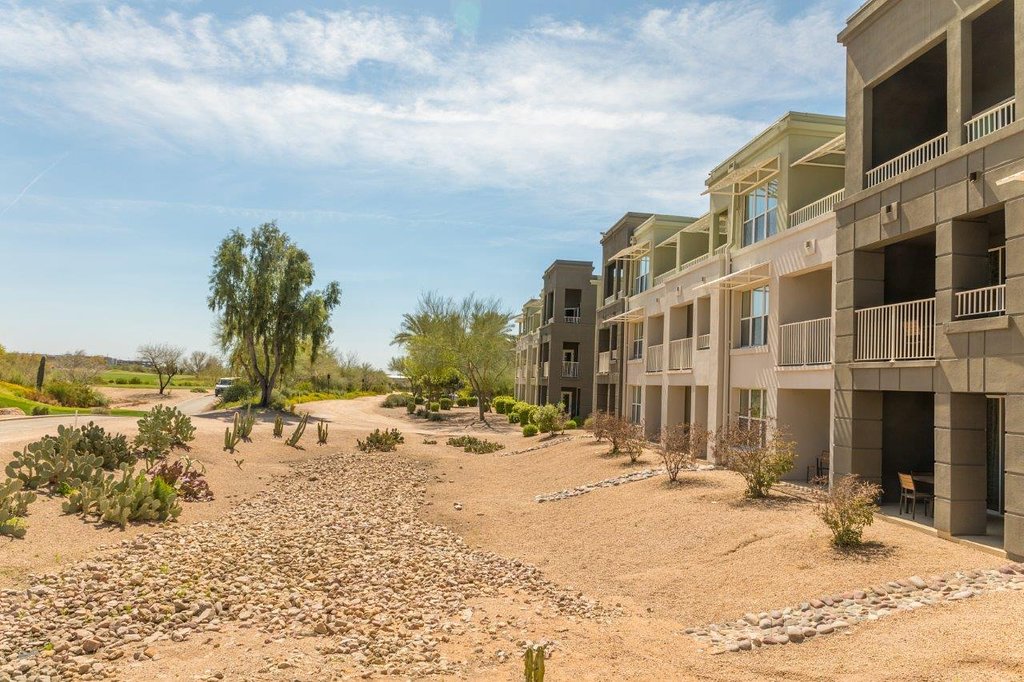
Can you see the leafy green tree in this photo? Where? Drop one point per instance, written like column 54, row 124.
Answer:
column 261, row 287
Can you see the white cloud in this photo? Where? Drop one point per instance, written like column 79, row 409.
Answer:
column 642, row 108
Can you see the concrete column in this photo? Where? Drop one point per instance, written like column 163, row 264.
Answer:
column 1013, row 538
column 1018, row 50
column 960, row 464
column 858, row 129
column 865, row 437
column 958, row 80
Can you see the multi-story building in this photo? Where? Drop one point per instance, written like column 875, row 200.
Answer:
column 729, row 316
column 930, row 268
column 555, row 349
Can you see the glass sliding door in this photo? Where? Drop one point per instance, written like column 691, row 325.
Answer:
column 996, row 455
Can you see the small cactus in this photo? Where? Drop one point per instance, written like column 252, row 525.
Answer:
column 278, row 426
column 13, row 506
column 533, row 661
column 41, row 373
column 293, row 440
column 321, row 433
column 232, row 435
column 245, row 424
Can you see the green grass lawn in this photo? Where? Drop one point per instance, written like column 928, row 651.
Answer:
column 13, row 396
column 118, row 377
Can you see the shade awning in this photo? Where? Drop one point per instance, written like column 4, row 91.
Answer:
column 633, row 252
column 741, row 279
column 701, row 225
column 634, row 315
column 826, row 155
column 671, row 241
column 742, row 180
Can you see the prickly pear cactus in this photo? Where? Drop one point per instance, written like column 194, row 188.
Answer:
column 132, row 498
column 13, row 506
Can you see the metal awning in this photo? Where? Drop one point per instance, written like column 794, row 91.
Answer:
column 634, row 315
column 633, row 252
column 701, row 225
column 671, row 241
column 742, row 180
column 836, row 147
column 746, row 278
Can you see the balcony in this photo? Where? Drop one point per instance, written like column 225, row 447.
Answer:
column 917, row 156
column 655, row 357
column 641, row 284
column 545, row 369
column 898, row 331
column 806, row 343
column 604, row 362
column 680, row 354
column 703, row 341
column 984, row 302
column 572, row 315
column 570, row 369
column 817, row 209
column 991, row 120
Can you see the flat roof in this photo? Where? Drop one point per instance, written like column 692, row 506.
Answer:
column 864, row 15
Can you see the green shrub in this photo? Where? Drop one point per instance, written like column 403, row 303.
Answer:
column 530, row 430
column 163, row 429
column 238, row 392
column 397, row 400
column 571, row 424
column 40, row 409
column 760, row 454
column 75, row 394
column 503, row 404
column 410, row 407
column 436, row 417
column 513, row 418
column 550, row 419
column 525, row 412
column 134, row 381
column 420, row 400
column 381, row 441
column 847, row 508
column 445, row 403
column 472, row 401
column 435, row 407
column 475, row 445
column 462, row 402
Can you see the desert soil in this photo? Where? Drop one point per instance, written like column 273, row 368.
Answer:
column 327, row 563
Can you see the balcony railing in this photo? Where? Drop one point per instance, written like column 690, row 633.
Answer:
column 899, row 331
column 991, row 120
column 608, row 300
column 637, row 351
column 703, row 341
column 570, row 369
column 987, row 301
column 915, row 157
column 604, row 362
column 545, row 369
column 655, row 357
column 806, row 343
column 572, row 315
column 680, row 354
column 817, row 209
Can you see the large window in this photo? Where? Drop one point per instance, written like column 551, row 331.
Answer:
column 754, row 318
column 642, row 282
column 752, row 411
column 760, row 213
column 638, row 341
column 635, row 404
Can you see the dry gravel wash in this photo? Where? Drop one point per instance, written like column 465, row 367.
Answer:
column 334, row 550
column 827, row 615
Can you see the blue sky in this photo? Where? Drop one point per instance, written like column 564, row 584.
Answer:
column 456, row 145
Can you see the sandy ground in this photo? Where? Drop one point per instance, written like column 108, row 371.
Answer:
column 669, row 557
column 135, row 398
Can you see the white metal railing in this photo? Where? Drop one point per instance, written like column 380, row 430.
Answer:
column 637, row 350
column 818, row 208
column 912, row 159
column 570, row 369
column 899, row 331
column 984, row 301
column 655, row 357
column 703, row 341
column 545, row 369
column 604, row 362
column 572, row 315
column 806, row 343
column 991, row 120
column 680, row 354
column 611, row 299
column 694, row 261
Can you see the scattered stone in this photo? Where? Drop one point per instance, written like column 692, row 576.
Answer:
column 612, row 482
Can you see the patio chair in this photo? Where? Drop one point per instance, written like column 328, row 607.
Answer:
column 909, row 496
column 819, row 468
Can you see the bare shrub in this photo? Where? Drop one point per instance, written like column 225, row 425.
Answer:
column 847, row 508
column 627, row 438
column 758, row 451
column 681, row 445
column 599, row 424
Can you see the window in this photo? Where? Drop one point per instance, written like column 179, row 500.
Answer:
column 638, row 341
column 643, row 276
column 754, row 318
column 635, row 403
column 760, row 216
column 752, row 411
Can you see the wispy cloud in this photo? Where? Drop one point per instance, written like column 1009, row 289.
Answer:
column 28, row 186
column 646, row 105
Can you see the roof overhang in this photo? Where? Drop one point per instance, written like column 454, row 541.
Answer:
column 742, row 180
column 747, row 278
column 671, row 241
column 633, row 251
column 832, row 154
column 634, row 315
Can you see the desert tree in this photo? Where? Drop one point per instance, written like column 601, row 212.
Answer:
column 261, row 288
column 166, row 360
column 79, row 368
